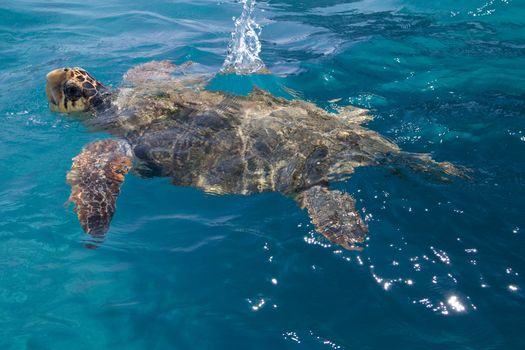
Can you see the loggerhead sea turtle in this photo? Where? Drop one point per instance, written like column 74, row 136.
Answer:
column 166, row 124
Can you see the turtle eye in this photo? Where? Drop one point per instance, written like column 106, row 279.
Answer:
column 72, row 91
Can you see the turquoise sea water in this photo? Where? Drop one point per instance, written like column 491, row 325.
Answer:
column 181, row 269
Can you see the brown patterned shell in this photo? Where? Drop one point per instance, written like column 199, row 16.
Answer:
column 234, row 144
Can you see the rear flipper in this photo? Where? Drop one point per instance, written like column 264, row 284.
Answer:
column 334, row 215
column 424, row 163
column 95, row 178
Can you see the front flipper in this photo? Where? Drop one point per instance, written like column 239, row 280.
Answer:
column 334, row 215
column 95, row 178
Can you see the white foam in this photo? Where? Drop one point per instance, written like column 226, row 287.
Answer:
column 244, row 48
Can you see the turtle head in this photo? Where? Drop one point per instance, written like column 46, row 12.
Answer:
column 72, row 90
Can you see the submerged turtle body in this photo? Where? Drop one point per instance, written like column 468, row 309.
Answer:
column 169, row 126
column 230, row 144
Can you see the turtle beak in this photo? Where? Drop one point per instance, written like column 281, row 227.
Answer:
column 54, row 81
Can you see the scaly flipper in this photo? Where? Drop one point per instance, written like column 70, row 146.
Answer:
column 95, row 178
column 421, row 162
column 334, row 215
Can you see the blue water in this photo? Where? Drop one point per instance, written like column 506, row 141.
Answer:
column 180, row 269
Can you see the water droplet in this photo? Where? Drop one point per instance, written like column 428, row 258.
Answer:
column 244, row 48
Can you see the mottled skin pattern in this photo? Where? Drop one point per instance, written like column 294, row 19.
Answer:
column 333, row 213
column 95, row 200
column 225, row 144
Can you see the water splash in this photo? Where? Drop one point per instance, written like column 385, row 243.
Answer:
column 244, row 48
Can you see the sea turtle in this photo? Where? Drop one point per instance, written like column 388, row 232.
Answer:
column 165, row 123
